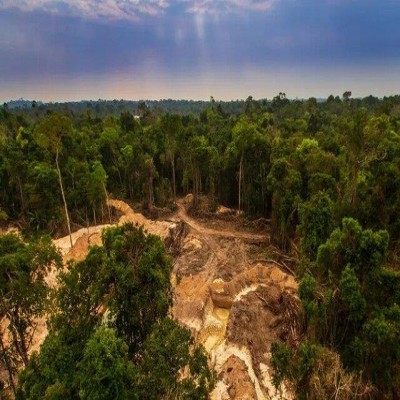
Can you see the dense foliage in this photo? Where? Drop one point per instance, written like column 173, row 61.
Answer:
column 326, row 174
column 23, row 268
column 110, row 336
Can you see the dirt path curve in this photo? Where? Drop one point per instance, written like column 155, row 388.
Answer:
column 183, row 215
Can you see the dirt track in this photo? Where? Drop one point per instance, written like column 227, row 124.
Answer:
column 203, row 230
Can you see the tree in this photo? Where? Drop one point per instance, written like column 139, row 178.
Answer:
column 346, row 95
column 316, row 223
column 106, row 372
column 168, row 351
column 364, row 250
column 150, row 172
column 141, row 267
column 49, row 134
column 97, row 191
column 109, row 335
column 201, row 158
column 285, row 184
column 243, row 135
column 127, row 121
column 24, row 293
column 171, row 125
column 75, row 316
column 350, row 304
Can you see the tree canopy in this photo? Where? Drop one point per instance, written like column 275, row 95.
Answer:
column 324, row 174
column 109, row 331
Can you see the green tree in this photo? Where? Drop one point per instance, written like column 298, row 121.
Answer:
column 169, row 350
column 285, row 184
column 135, row 272
column 49, row 134
column 351, row 306
column 124, row 285
column 24, row 293
column 316, row 223
column 97, row 191
column 171, row 126
column 243, row 136
column 106, row 372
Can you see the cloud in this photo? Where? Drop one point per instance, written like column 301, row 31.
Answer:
column 133, row 9
column 220, row 6
column 110, row 9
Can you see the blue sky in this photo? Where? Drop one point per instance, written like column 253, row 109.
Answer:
column 56, row 50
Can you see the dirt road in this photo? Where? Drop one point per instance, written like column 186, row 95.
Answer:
column 204, row 230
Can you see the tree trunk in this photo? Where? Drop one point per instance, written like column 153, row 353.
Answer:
column 212, row 190
column 64, row 200
column 150, row 198
column 173, row 178
column 21, row 195
column 354, row 184
column 130, row 186
column 118, row 171
column 18, row 336
column 240, row 182
column 108, row 205
column 7, row 365
column 196, row 187
column 23, row 346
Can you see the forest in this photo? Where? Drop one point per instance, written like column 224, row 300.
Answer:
column 324, row 175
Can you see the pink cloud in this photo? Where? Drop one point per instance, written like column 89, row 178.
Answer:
column 133, row 9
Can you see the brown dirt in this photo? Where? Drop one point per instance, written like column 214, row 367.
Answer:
column 234, row 374
column 260, row 318
column 236, row 307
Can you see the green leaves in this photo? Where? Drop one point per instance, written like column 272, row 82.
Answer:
column 24, row 295
column 109, row 336
column 365, row 251
column 350, row 302
column 316, row 223
column 297, row 367
column 106, row 372
column 350, row 293
column 51, row 130
column 168, row 351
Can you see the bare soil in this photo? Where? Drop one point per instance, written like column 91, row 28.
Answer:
column 237, row 301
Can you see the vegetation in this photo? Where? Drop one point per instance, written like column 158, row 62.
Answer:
column 23, row 295
column 110, row 336
column 325, row 173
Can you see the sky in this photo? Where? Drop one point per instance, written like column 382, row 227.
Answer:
column 64, row 50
